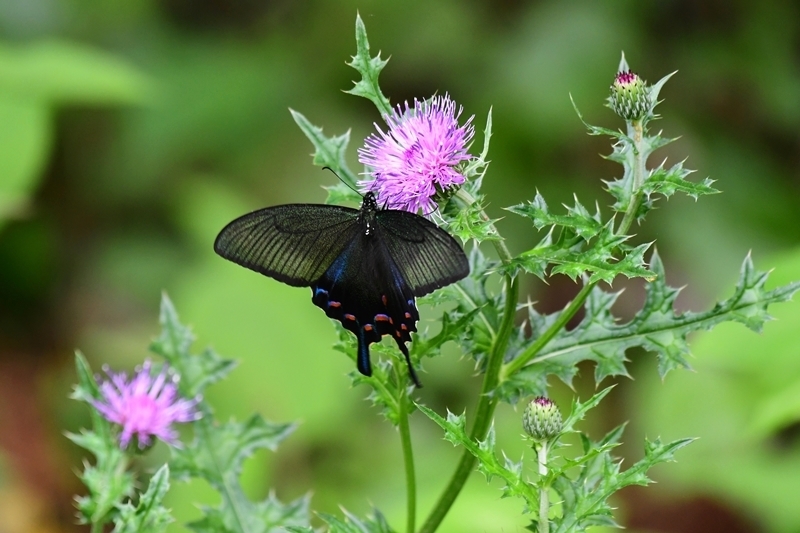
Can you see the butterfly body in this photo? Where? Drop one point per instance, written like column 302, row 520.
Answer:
column 364, row 267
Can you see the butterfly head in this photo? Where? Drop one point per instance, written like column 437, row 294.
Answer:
column 369, row 202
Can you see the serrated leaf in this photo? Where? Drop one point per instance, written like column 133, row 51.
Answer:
column 472, row 297
column 577, row 243
column 218, row 451
column 88, row 390
column 488, row 464
column 268, row 516
column 108, row 484
column 585, row 483
column 579, row 409
column 578, row 219
column 375, row 522
column 335, row 525
column 341, row 194
column 453, row 323
column 328, row 151
column 174, row 344
column 599, row 263
column 370, row 68
column 595, row 130
column 148, row 516
column 216, row 455
column 467, row 220
column 661, row 180
column 572, row 255
column 175, row 339
column 655, row 89
column 657, row 328
column 668, row 181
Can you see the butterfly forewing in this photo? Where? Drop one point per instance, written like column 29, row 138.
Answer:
column 294, row 243
column 428, row 256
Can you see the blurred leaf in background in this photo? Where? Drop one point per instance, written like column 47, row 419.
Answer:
column 742, row 402
column 37, row 79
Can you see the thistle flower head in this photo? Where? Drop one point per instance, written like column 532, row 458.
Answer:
column 416, row 159
column 630, row 96
column 144, row 407
column 542, row 419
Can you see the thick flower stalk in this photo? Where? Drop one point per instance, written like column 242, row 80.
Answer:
column 416, row 159
column 145, row 407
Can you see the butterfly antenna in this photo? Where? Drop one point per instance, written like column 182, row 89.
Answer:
column 426, row 215
column 343, row 181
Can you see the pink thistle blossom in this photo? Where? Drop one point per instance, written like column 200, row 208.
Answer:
column 416, row 158
column 145, row 406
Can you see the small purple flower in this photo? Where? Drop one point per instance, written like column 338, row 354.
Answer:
column 415, row 159
column 146, row 406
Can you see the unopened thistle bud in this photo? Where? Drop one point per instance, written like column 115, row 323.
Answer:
column 542, row 419
column 630, row 96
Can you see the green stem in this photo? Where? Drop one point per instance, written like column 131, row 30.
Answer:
column 636, row 131
column 408, row 457
column 544, row 492
column 484, row 411
column 563, row 317
column 487, row 402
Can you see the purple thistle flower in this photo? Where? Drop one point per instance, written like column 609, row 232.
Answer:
column 415, row 159
column 146, row 406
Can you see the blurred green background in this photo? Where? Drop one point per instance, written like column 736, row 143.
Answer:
column 132, row 131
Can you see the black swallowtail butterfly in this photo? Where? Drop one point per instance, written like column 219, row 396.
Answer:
column 364, row 267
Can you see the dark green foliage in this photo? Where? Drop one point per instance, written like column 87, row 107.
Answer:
column 657, row 328
column 217, row 452
column 583, row 483
column 148, row 515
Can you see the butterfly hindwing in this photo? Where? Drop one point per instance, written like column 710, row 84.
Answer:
column 428, row 256
column 293, row 243
column 366, row 292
